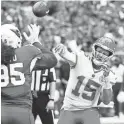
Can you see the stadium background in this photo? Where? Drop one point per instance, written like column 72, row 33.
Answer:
column 77, row 24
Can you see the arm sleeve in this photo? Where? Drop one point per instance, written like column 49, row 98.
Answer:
column 45, row 60
column 70, row 57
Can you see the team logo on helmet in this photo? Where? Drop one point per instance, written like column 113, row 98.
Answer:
column 106, row 43
column 11, row 36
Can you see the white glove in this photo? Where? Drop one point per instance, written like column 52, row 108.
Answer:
column 34, row 33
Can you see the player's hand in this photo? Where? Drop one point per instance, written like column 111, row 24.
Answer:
column 106, row 69
column 104, row 79
column 105, row 82
column 60, row 49
column 50, row 105
column 34, row 33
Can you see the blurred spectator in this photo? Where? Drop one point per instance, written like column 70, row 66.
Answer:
column 59, row 95
column 64, row 74
column 118, row 69
column 64, row 70
column 84, row 20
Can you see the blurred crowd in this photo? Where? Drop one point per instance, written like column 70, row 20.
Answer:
column 83, row 21
column 76, row 24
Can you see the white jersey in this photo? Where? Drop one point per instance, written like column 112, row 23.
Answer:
column 84, row 86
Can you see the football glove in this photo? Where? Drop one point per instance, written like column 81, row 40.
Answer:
column 34, row 33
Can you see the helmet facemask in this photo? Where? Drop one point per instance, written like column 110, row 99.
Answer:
column 99, row 57
column 101, row 52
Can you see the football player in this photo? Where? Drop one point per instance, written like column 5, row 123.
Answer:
column 90, row 78
column 17, row 63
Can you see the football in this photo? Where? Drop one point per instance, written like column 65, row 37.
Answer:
column 40, row 9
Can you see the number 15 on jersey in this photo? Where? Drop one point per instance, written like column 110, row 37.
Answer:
column 90, row 89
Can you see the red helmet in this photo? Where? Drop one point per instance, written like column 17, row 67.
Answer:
column 107, row 44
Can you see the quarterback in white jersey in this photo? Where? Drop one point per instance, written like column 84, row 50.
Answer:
column 90, row 78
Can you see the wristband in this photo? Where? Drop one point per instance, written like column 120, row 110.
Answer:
column 107, row 86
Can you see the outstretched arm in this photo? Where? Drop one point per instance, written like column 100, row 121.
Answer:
column 65, row 54
column 46, row 58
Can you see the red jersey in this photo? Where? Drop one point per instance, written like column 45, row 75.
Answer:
column 16, row 77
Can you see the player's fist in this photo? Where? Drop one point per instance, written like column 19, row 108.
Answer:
column 60, row 49
column 106, row 69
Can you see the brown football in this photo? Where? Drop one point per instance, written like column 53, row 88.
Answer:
column 40, row 9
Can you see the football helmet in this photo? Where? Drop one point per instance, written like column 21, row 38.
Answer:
column 11, row 36
column 108, row 45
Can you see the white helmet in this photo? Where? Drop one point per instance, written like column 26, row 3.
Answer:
column 11, row 36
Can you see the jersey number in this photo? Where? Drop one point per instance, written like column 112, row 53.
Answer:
column 11, row 75
column 90, row 88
